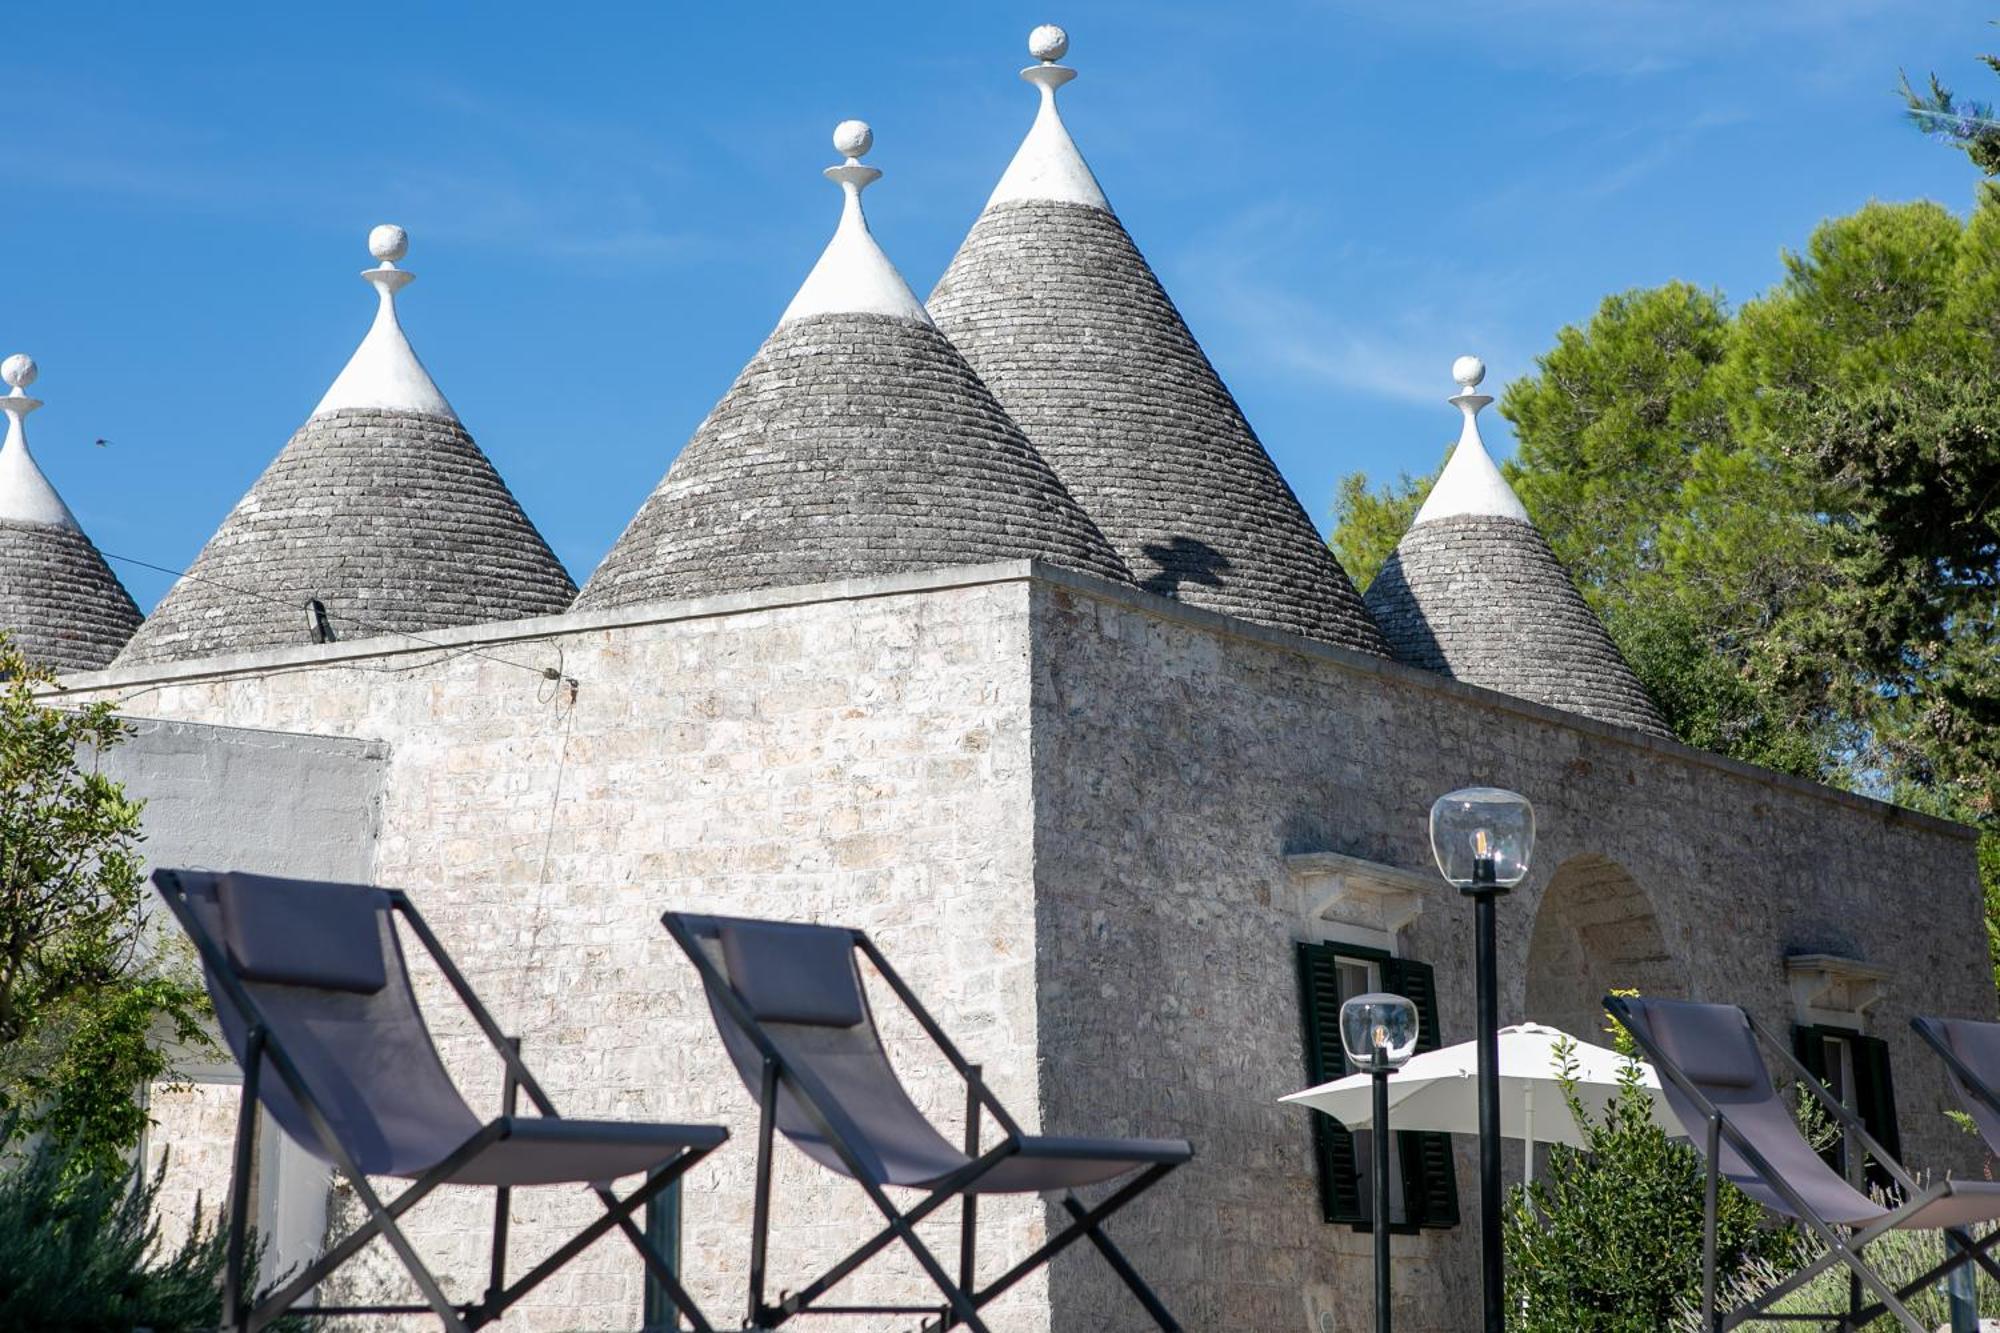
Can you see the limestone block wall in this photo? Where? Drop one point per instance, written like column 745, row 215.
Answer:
column 1063, row 807
column 854, row 754
column 1178, row 757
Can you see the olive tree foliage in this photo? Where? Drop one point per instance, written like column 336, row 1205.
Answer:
column 85, row 996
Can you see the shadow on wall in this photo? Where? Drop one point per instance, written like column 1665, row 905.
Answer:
column 1183, row 560
column 1595, row 931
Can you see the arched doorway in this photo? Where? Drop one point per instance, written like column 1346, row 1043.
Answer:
column 1595, row 931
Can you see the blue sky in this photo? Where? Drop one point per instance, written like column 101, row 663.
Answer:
column 610, row 205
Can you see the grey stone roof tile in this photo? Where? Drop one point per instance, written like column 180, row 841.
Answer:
column 59, row 600
column 1056, row 309
column 395, row 520
column 1484, row 600
column 851, row 445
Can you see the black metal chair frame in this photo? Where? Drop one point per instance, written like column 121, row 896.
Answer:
column 963, row 1298
column 1840, row 1248
column 243, row 1313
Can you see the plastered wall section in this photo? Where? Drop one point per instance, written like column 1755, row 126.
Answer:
column 854, row 755
column 1178, row 757
column 222, row 796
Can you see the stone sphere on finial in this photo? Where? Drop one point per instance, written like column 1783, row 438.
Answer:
column 853, row 138
column 1048, row 42
column 1468, row 371
column 388, row 242
column 19, row 370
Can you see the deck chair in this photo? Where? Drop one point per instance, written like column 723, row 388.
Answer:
column 1718, row 1085
column 1971, row 1052
column 796, row 1021
column 314, row 1000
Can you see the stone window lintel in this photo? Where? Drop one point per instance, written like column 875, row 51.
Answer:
column 1826, row 983
column 1349, row 890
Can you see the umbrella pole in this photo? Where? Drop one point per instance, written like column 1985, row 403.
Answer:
column 1528, row 1135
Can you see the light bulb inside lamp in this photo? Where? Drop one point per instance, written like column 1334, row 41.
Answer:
column 1482, row 837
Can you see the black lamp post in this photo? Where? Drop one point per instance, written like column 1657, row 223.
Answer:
column 1379, row 1033
column 1482, row 838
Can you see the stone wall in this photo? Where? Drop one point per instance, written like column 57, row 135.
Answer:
column 1179, row 757
column 858, row 755
column 1063, row 808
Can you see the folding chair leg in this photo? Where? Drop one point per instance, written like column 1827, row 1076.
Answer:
column 617, row 1213
column 426, row 1283
column 235, row 1308
column 1709, row 1313
column 496, row 1281
column 968, row 1203
column 963, row 1310
column 1090, row 1220
column 655, row 1263
column 1969, row 1251
column 1120, row 1265
column 760, row 1224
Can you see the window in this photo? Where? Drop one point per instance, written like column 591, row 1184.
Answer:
column 1423, row 1186
column 1855, row 1069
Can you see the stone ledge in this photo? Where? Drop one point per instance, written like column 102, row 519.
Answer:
column 1831, row 983
column 1350, row 891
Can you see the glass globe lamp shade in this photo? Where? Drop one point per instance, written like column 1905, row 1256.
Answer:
column 1482, row 836
column 1387, row 1023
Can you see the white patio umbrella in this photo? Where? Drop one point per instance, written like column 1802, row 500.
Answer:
column 1439, row 1090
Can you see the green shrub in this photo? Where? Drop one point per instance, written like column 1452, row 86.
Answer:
column 1609, row 1238
column 80, row 1252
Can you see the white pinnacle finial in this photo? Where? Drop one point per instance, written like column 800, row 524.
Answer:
column 384, row 372
column 853, row 276
column 1047, row 165
column 25, row 494
column 1470, row 485
column 388, row 243
column 852, row 139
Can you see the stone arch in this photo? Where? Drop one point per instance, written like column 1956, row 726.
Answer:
column 1595, row 930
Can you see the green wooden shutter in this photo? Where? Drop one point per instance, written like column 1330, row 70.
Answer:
column 1809, row 1045
column 1873, row 1094
column 1333, row 1147
column 1430, row 1175
column 1875, row 1099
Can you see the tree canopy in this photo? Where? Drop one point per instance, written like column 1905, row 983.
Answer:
column 1788, row 514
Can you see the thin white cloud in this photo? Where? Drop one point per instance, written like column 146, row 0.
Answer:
column 1254, row 283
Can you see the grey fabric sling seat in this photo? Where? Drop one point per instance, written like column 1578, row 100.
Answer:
column 1721, row 1091
column 1971, row 1052
column 314, row 1000
column 796, row 1021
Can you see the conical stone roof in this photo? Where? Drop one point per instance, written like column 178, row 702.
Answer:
column 1056, row 309
column 1475, row 592
column 857, row 442
column 59, row 601
column 381, row 508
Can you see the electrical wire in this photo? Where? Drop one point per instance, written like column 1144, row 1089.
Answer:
column 545, row 673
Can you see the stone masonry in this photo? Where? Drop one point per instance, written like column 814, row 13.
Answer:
column 1063, row 806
